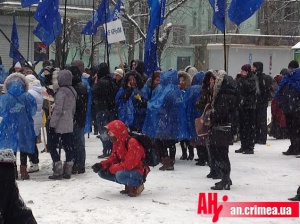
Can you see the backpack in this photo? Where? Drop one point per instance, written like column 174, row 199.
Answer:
column 152, row 157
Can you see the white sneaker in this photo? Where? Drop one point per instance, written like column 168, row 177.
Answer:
column 298, row 156
column 33, row 168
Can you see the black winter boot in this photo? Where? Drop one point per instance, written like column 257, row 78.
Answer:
column 297, row 197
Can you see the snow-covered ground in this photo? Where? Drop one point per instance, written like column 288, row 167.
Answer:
column 169, row 196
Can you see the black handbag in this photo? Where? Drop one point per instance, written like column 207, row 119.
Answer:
column 221, row 135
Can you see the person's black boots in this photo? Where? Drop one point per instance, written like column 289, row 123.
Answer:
column 297, row 197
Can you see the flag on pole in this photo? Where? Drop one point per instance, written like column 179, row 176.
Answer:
column 48, row 16
column 27, row 3
column 100, row 17
column 116, row 12
column 157, row 16
column 219, row 13
column 240, row 10
column 13, row 52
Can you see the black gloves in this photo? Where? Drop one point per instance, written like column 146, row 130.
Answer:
column 97, row 167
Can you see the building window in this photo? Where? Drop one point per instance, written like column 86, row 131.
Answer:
column 179, row 35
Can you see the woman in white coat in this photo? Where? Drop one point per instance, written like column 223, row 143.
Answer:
column 35, row 89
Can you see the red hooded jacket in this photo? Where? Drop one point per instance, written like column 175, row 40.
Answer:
column 121, row 158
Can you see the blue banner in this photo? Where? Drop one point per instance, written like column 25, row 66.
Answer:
column 48, row 16
column 240, row 10
column 27, row 3
column 13, row 52
column 219, row 14
column 157, row 16
column 100, row 17
column 116, row 12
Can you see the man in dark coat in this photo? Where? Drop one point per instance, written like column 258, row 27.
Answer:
column 247, row 104
column 103, row 97
column 264, row 94
column 288, row 97
column 79, row 119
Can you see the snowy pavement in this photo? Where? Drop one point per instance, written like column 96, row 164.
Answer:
column 169, row 197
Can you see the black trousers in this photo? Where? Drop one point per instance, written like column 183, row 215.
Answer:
column 12, row 208
column 221, row 159
column 293, row 126
column 247, row 128
column 164, row 145
column 261, row 124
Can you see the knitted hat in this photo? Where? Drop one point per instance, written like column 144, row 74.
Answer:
column 18, row 65
column 246, row 68
column 119, row 72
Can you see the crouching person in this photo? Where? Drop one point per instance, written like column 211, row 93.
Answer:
column 125, row 164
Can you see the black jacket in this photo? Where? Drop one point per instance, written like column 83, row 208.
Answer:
column 247, row 92
column 103, row 94
column 81, row 104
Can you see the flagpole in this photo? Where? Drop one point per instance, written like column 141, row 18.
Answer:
column 28, row 42
column 64, row 44
column 92, row 50
column 35, row 74
column 106, row 42
column 225, row 53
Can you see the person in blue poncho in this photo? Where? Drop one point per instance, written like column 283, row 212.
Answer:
column 192, row 95
column 130, row 103
column 17, row 107
column 184, row 84
column 288, row 96
column 152, row 86
column 3, row 73
column 165, row 118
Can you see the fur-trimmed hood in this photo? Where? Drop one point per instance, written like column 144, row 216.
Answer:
column 218, row 83
column 187, row 77
column 13, row 77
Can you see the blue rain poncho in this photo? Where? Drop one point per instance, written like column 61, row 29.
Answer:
column 17, row 107
column 88, row 121
column 190, row 98
column 165, row 117
column 3, row 74
column 131, row 111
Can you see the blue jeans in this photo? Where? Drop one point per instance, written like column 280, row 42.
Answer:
column 103, row 118
column 79, row 146
column 127, row 177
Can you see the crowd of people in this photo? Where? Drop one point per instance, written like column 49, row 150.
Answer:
column 73, row 101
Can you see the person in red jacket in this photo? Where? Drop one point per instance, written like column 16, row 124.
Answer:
column 125, row 164
column 278, row 124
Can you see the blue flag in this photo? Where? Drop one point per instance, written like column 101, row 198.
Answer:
column 157, row 16
column 27, row 3
column 219, row 13
column 100, row 17
column 14, row 53
column 240, row 10
column 48, row 16
column 116, row 12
